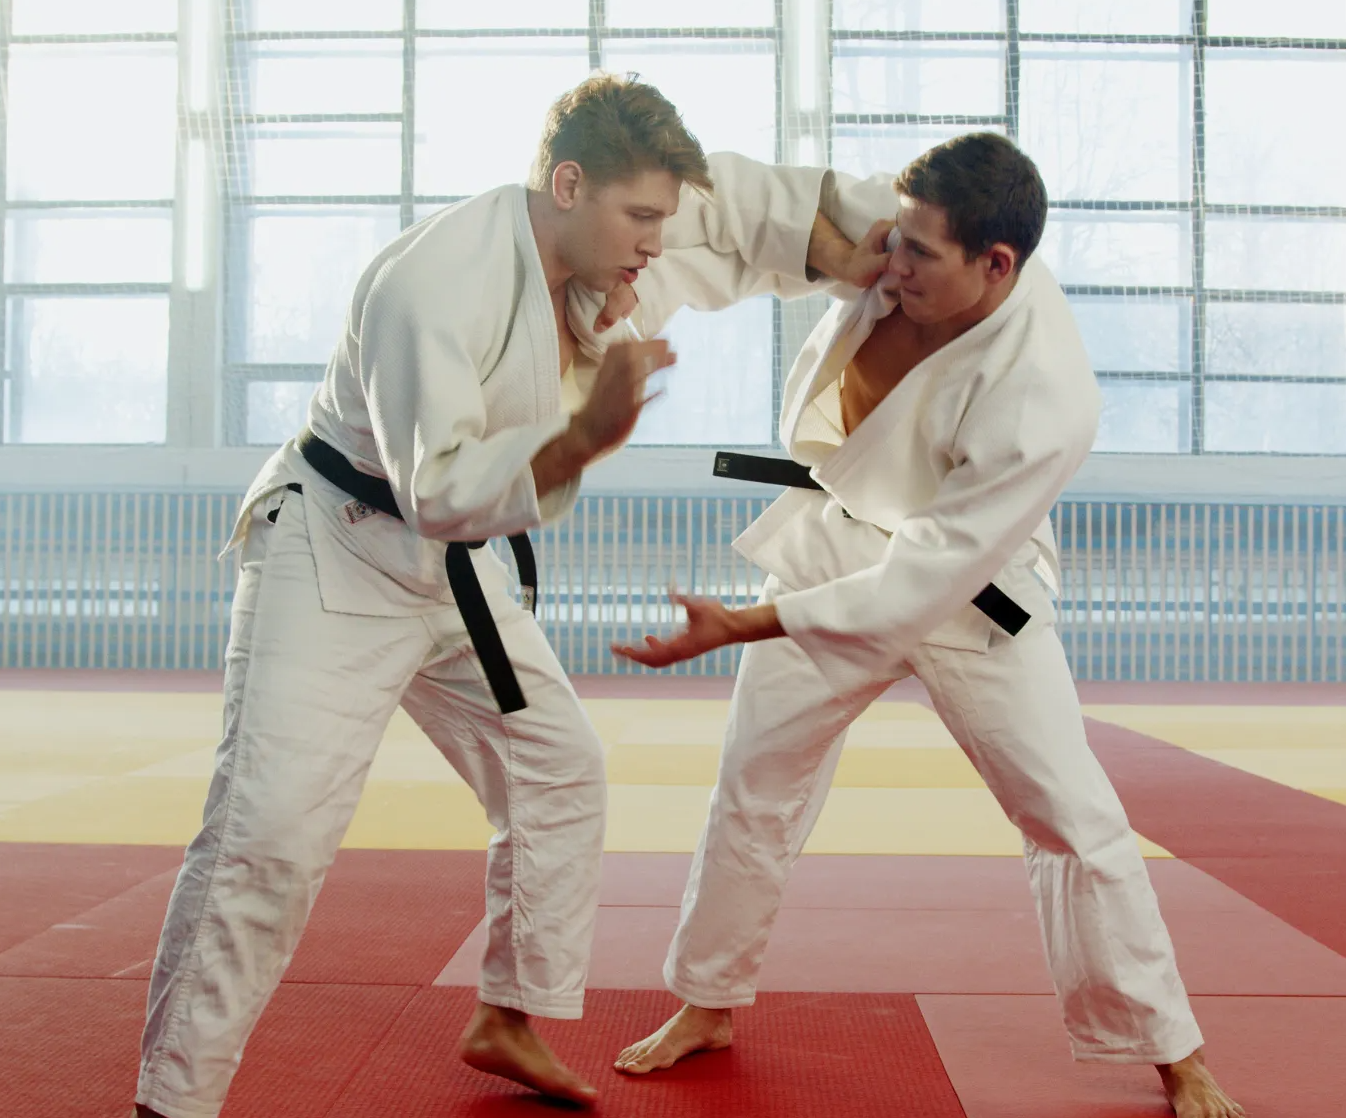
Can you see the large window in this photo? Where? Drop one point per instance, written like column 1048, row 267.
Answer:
column 352, row 124
column 1197, row 200
column 191, row 187
column 90, row 180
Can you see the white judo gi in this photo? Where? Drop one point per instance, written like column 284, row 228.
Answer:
column 447, row 382
column 948, row 484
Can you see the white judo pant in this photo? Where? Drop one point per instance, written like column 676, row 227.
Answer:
column 1015, row 713
column 307, row 696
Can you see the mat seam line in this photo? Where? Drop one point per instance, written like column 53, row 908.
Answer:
column 378, row 1042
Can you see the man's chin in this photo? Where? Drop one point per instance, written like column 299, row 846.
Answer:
column 605, row 283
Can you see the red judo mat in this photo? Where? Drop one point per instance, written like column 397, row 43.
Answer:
column 1008, row 1058
column 334, row 1046
column 935, row 925
column 383, row 917
column 904, row 986
column 72, row 1047
column 794, row 1056
column 352, row 1051
column 860, row 881
column 1282, row 848
column 43, row 884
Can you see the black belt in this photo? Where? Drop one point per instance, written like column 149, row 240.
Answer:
column 992, row 601
column 467, row 593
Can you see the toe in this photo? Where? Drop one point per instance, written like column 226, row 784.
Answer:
column 564, row 1083
column 643, row 1062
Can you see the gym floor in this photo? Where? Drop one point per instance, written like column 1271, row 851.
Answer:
column 905, row 975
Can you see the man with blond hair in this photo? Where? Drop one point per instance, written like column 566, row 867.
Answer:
column 457, row 406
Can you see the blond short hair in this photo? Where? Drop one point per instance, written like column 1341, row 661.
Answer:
column 616, row 127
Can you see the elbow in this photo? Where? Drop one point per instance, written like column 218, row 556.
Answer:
column 435, row 505
column 439, row 516
column 455, row 510
column 428, row 520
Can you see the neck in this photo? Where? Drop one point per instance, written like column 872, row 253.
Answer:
column 942, row 333
column 542, row 217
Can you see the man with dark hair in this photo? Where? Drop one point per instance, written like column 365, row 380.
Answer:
column 457, row 407
column 989, row 190
column 942, row 411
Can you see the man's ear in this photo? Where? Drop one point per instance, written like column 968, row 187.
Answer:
column 1001, row 261
column 565, row 184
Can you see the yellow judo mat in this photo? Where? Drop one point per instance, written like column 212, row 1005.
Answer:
column 133, row 766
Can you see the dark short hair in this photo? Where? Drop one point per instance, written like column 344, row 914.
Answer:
column 615, row 127
column 990, row 191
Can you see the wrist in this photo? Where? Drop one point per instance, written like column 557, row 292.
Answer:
column 829, row 249
column 755, row 623
column 562, row 459
column 578, row 444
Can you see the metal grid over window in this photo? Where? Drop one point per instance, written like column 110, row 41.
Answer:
column 86, row 227
column 1195, row 202
column 190, row 188
column 338, row 139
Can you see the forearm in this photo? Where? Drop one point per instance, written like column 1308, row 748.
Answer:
column 755, row 623
column 561, row 460
column 829, row 250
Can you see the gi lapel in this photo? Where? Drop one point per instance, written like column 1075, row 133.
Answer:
column 535, row 315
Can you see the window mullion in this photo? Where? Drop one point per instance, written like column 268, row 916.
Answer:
column 193, row 337
column 1198, row 416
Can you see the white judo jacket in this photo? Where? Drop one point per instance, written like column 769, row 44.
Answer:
column 945, row 487
column 949, row 481
column 446, row 379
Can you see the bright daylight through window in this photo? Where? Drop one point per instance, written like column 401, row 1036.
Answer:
column 191, row 189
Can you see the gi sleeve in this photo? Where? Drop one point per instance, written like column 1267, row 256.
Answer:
column 1017, row 447
column 854, row 205
column 749, row 237
column 450, row 479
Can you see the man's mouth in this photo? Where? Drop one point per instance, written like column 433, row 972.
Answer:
column 630, row 275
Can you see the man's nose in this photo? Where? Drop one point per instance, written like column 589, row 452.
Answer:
column 652, row 245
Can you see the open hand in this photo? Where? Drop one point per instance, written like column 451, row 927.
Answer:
column 709, row 626
column 620, row 392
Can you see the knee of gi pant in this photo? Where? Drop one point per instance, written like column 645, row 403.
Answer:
column 584, row 759
column 590, row 778
column 575, row 775
column 763, row 792
column 279, row 846
column 1093, row 829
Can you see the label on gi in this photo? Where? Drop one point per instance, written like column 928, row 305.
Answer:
column 355, row 511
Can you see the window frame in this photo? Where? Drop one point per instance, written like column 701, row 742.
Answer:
column 235, row 376
column 203, row 389
column 1198, row 294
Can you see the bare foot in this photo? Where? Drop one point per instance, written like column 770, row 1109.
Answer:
column 1193, row 1092
column 691, row 1029
column 499, row 1042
